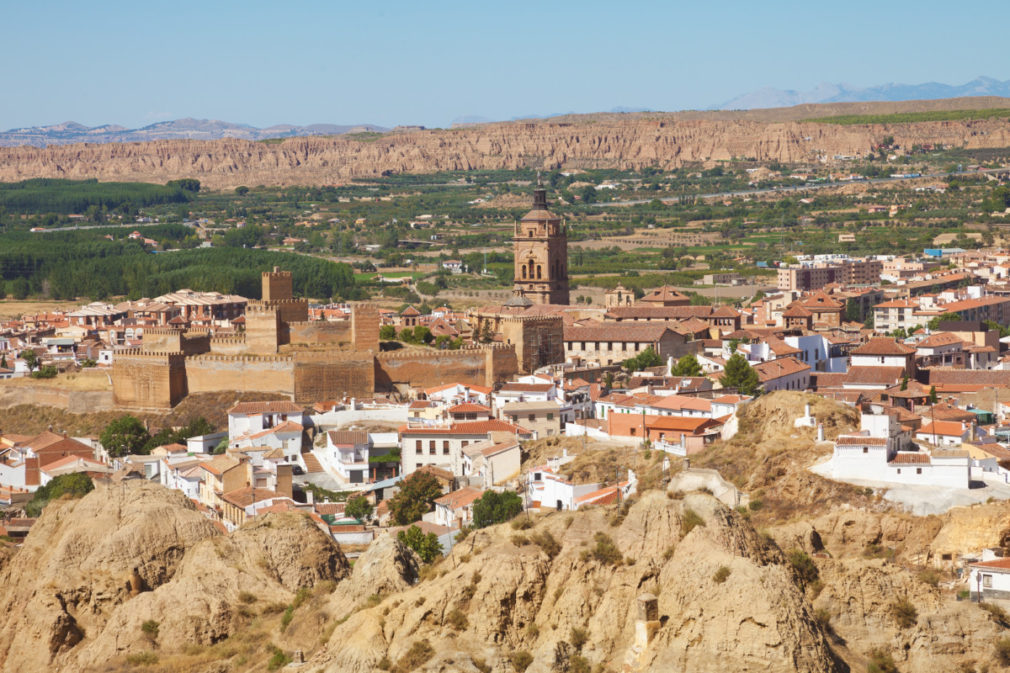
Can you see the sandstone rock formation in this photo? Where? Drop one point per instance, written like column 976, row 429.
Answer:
column 626, row 141
column 92, row 571
column 501, row 594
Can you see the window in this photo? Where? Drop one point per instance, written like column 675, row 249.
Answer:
column 899, row 470
column 918, row 470
column 550, row 416
column 431, row 447
column 865, row 450
column 418, row 446
column 532, row 417
column 987, row 581
column 445, row 447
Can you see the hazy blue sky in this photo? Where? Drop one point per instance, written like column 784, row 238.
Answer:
column 389, row 63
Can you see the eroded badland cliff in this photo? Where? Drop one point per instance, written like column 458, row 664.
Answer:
column 665, row 140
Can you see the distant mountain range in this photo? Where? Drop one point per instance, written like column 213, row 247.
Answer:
column 178, row 129
column 841, row 93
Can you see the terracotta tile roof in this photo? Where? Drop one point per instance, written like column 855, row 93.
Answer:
column 444, row 475
column 939, row 339
column 886, row 376
column 347, row 437
column 678, row 402
column 796, row 311
column 624, row 332
column 276, row 407
column 903, row 458
column 681, row 423
column 898, row 303
column 883, row 346
column 665, row 293
column 658, row 312
column 604, row 496
column 943, row 428
column 527, row 387
column 468, row 408
column 243, row 497
column 996, row 564
column 286, row 426
column 980, row 377
column 774, row 369
column 460, row 498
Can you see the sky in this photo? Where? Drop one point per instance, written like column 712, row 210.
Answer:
column 388, row 63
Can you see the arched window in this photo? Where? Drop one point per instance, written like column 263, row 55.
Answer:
column 524, row 271
column 531, row 269
column 538, row 272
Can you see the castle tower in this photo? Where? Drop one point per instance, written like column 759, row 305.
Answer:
column 277, row 285
column 541, row 254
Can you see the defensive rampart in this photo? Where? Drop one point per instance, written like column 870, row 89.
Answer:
column 145, row 379
column 263, row 373
column 417, row 368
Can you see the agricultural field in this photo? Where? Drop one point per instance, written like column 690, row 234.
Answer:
column 386, row 238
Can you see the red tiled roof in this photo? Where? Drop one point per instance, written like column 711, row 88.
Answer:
column 347, row 437
column 910, row 459
column 460, row 498
column 945, row 428
column 280, row 406
column 995, row 564
column 883, row 346
column 886, row 376
column 616, row 332
column 468, row 407
column 939, row 339
column 773, row 369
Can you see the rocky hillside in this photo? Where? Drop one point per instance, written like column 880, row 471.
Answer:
column 133, row 567
column 618, row 141
column 132, row 577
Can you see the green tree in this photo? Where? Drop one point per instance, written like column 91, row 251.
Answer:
column 423, row 335
column 647, row 358
column 185, row 184
column 687, row 366
column 588, row 194
column 74, row 485
column 18, row 288
column 30, row 358
column 494, row 507
column 852, row 312
column 123, row 436
column 387, row 332
column 241, row 190
column 358, row 508
column 933, row 399
column 426, row 546
column 415, row 498
column 740, row 375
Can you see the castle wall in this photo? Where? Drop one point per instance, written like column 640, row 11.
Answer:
column 148, row 380
column 228, row 345
column 195, row 343
column 482, row 366
column 162, row 340
column 211, row 373
column 317, row 332
column 290, row 310
column 328, row 376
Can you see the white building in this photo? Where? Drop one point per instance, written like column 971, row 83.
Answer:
column 990, row 576
column 347, row 453
column 875, row 453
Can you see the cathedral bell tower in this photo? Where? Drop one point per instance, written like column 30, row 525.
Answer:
column 540, row 246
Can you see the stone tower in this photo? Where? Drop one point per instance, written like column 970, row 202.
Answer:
column 541, row 254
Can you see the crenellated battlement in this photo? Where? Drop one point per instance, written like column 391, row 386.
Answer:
column 241, row 357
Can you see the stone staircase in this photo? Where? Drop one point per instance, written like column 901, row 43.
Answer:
column 312, row 464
